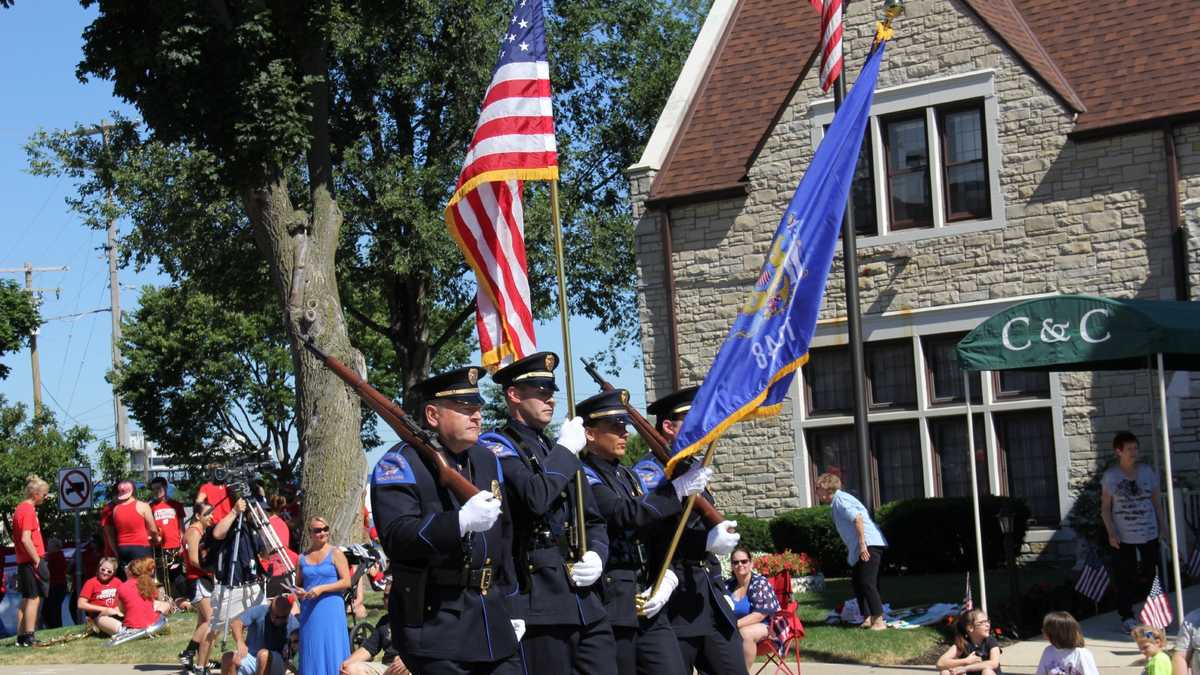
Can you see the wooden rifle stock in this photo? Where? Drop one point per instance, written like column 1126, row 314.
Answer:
column 657, row 443
column 423, row 440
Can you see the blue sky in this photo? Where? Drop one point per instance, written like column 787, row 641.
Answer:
column 40, row 45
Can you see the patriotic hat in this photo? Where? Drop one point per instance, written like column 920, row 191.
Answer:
column 609, row 405
column 461, row 385
column 536, row 370
column 674, row 404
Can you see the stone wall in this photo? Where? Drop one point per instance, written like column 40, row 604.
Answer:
column 1080, row 217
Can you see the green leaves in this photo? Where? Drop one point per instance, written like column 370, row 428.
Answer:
column 37, row 446
column 19, row 319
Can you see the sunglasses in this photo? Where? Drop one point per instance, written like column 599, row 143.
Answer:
column 740, row 562
column 318, row 530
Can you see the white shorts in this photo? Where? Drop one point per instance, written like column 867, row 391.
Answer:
column 201, row 589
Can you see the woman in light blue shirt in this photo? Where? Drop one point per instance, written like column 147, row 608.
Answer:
column 864, row 546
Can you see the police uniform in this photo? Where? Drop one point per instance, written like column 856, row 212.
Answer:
column 567, row 629
column 645, row 646
column 448, row 609
column 703, row 621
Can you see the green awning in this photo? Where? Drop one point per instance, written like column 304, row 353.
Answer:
column 1080, row 332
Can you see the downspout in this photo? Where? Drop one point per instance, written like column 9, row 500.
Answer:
column 669, row 286
column 1179, row 235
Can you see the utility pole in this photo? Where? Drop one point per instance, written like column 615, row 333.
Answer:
column 35, row 366
column 110, row 247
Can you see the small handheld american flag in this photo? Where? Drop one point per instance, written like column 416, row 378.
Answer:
column 1093, row 582
column 968, row 602
column 1157, row 610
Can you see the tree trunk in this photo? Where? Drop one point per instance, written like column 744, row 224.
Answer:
column 327, row 412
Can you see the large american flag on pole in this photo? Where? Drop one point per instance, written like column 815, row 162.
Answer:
column 513, row 142
column 1157, row 610
column 831, row 40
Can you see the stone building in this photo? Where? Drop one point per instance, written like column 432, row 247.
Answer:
column 1017, row 148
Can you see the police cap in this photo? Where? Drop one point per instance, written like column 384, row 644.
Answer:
column 674, row 404
column 536, row 370
column 609, row 405
column 460, row 384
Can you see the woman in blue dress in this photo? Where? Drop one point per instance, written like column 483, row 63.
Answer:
column 323, row 577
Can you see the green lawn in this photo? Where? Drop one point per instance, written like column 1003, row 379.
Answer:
column 848, row 644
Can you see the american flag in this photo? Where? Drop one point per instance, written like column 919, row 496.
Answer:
column 1157, row 610
column 831, row 40
column 513, row 142
column 1193, row 564
column 968, row 603
column 1093, row 583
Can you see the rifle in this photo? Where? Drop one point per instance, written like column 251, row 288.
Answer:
column 659, row 446
column 424, row 441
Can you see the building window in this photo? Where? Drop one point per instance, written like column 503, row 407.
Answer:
column 964, row 163
column 917, row 423
column 862, row 192
column 909, row 192
column 943, row 374
column 949, row 438
column 890, row 378
column 827, row 379
column 1026, row 443
column 832, row 451
column 896, row 449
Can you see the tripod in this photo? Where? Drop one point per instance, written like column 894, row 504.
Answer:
column 261, row 525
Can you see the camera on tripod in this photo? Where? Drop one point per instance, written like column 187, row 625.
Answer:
column 240, row 476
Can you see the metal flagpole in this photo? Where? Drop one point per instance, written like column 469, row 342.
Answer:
column 974, row 491
column 858, row 369
column 580, row 520
column 1166, row 452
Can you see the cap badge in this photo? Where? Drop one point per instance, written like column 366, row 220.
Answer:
column 472, row 375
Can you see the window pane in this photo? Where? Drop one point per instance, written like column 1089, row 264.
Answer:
column 963, row 131
column 829, row 385
column 949, row 436
column 832, row 451
column 966, row 191
column 1027, row 445
column 945, row 377
column 908, row 173
column 862, row 192
column 1022, row 383
column 897, row 450
column 965, row 164
column 891, row 382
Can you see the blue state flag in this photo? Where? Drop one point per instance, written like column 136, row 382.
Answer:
column 770, row 337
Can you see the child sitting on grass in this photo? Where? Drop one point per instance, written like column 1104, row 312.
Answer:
column 1065, row 654
column 1152, row 643
column 974, row 648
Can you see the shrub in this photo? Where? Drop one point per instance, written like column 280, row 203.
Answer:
column 756, row 533
column 811, row 530
column 795, row 564
column 938, row 534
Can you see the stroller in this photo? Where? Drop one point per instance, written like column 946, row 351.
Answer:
column 361, row 557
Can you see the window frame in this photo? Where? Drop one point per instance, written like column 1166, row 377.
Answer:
column 941, row 113
column 885, row 122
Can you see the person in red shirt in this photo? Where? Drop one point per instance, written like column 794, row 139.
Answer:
column 33, row 573
column 277, row 504
column 133, row 526
column 98, row 599
column 56, row 562
column 106, row 530
column 168, row 516
column 215, row 494
column 200, row 586
column 136, row 596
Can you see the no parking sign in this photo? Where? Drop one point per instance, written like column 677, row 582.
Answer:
column 75, row 488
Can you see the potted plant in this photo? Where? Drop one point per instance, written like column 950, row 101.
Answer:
column 798, row 569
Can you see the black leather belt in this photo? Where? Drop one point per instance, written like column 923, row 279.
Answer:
column 480, row 579
column 549, row 540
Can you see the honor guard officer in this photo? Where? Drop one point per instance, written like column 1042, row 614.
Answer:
column 567, row 627
column 701, row 618
column 645, row 644
column 451, row 561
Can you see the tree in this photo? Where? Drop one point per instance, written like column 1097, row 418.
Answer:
column 19, row 320
column 207, row 382
column 299, row 130
column 36, row 445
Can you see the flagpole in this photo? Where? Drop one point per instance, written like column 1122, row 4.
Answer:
column 580, row 519
column 858, row 369
column 683, row 520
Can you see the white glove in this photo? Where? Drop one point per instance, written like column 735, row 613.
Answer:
column 518, row 628
column 692, row 482
column 479, row 513
column 655, row 603
column 587, row 570
column 722, row 539
column 571, row 435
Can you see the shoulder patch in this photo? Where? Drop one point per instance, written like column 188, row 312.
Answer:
column 498, row 444
column 393, row 469
column 649, row 473
column 592, row 477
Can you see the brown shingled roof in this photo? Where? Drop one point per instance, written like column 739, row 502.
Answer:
column 756, row 67
column 1115, row 62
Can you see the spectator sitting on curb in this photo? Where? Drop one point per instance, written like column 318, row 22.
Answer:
column 361, row 663
column 261, row 633
column 98, row 599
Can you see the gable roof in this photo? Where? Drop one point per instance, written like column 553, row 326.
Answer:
column 1116, row 64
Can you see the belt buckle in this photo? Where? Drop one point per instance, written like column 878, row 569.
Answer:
column 485, row 580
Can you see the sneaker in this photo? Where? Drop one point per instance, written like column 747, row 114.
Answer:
column 185, row 659
column 1128, row 625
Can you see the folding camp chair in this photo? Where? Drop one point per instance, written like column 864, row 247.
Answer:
column 785, row 631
